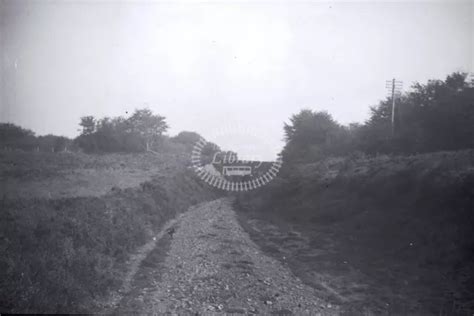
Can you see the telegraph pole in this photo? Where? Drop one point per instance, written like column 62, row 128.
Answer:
column 395, row 88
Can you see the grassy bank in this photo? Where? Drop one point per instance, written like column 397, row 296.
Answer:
column 61, row 254
column 401, row 225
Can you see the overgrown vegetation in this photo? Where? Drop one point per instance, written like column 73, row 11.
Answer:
column 64, row 254
column 60, row 255
column 403, row 223
column 394, row 201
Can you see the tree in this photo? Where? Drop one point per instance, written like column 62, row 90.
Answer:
column 13, row 136
column 88, row 125
column 310, row 135
column 208, row 152
column 9, row 131
column 438, row 115
column 375, row 135
column 147, row 125
column 119, row 134
column 187, row 138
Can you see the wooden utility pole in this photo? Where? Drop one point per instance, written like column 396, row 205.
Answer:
column 395, row 88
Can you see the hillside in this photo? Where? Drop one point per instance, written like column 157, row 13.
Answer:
column 384, row 234
column 70, row 223
column 49, row 175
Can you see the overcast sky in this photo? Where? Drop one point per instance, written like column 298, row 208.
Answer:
column 210, row 66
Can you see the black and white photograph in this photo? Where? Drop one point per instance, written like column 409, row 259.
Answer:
column 237, row 157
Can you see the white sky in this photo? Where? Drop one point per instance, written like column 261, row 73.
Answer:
column 210, row 65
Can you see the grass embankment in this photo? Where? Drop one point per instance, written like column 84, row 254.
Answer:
column 48, row 175
column 401, row 225
column 61, row 254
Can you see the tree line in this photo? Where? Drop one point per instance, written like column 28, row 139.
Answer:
column 16, row 137
column 139, row 132
column 435, row 116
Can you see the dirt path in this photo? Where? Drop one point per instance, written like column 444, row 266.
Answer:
column 213, row 267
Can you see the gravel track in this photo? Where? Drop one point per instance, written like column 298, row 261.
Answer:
column 213, row 267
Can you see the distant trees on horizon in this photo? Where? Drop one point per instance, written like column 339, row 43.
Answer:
column 13, row 136
column 435, row 116
column 139, row 132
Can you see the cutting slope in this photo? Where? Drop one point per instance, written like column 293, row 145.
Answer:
column 391, row 234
